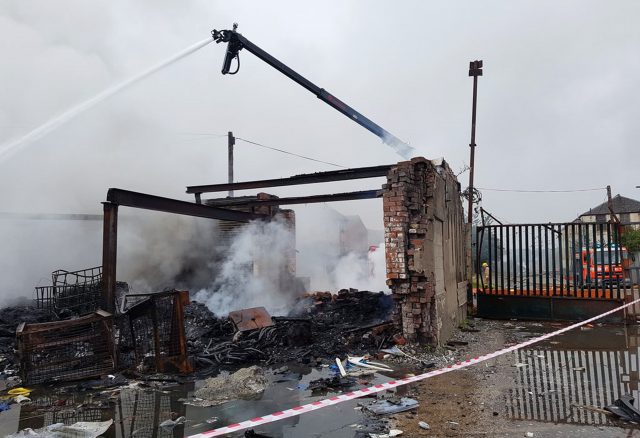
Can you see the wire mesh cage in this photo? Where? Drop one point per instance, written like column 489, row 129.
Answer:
column 67, row 350
column 82, row 277
column 151, row 334
column 76, row 292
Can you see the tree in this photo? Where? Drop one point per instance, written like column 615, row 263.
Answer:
column 630, row 239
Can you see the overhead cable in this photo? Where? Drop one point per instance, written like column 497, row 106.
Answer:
column 290, row 153
column 543, row 191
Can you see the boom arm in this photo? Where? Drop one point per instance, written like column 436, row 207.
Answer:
column 237, row 42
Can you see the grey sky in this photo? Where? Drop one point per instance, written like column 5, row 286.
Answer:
column 557, row 105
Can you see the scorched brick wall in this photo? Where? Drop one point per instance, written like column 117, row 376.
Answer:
column 425, row 240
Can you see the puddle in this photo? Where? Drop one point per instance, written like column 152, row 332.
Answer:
column 566, row 379
column 138, row 413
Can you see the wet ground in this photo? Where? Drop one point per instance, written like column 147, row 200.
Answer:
column 556, row 388
column 139, row 412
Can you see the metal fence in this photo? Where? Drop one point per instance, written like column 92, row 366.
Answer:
column 580, row 260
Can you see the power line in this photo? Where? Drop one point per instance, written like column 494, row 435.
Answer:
column 290, row 153
column 543, row 191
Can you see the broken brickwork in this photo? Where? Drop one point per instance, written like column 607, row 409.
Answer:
column 426, row 240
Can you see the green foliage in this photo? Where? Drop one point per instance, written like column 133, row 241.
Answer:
column 631, row 240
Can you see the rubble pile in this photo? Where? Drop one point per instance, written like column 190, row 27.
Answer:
column 321, row 326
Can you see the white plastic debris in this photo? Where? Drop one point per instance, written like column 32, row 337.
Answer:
column 359, row 361
column 21, row 399
column 343, row 372
column 81, row 429
column 424, row 425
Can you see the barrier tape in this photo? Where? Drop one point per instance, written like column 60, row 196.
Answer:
column 313, row 406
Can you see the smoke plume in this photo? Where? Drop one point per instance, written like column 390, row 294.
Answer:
column 256, row 272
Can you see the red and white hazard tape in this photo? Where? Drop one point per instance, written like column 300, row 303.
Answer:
column 298, row 410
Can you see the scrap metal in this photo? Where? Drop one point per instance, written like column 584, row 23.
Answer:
column 152, row 331
column 67, row 350
column 250, row 319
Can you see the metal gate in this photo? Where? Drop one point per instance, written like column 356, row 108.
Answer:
column 562, row 271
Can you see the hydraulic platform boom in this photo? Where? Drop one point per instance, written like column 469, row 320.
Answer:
column 237, row 42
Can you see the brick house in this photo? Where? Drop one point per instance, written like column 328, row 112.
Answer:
column 627, row 210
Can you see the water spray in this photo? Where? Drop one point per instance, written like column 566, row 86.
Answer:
column 11, row 147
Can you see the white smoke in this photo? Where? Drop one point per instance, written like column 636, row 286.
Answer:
column 334, row 253
column 141, row 140
column 361, row 272
column 257, row 271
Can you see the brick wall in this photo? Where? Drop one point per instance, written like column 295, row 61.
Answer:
column 425, row 247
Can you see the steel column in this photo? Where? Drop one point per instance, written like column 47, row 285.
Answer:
column 109, row 253
column 475, row 70
column 231, row 141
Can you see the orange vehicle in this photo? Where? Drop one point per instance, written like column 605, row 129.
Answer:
column 601, row 266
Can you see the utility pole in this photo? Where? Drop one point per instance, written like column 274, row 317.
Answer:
column 475, row 70
column 231, row 141
column 614, row 216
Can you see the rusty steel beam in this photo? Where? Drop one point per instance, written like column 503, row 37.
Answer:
column 157, row 203
column 309, row 178
column 313, row 199
column 109, row 253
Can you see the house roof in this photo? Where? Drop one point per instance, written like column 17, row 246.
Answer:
column 620, row 204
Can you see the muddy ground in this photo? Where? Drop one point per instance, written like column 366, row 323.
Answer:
column 557, row 388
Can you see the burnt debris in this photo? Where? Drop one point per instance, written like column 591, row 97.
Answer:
column 67, row 337
column 321, row 326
